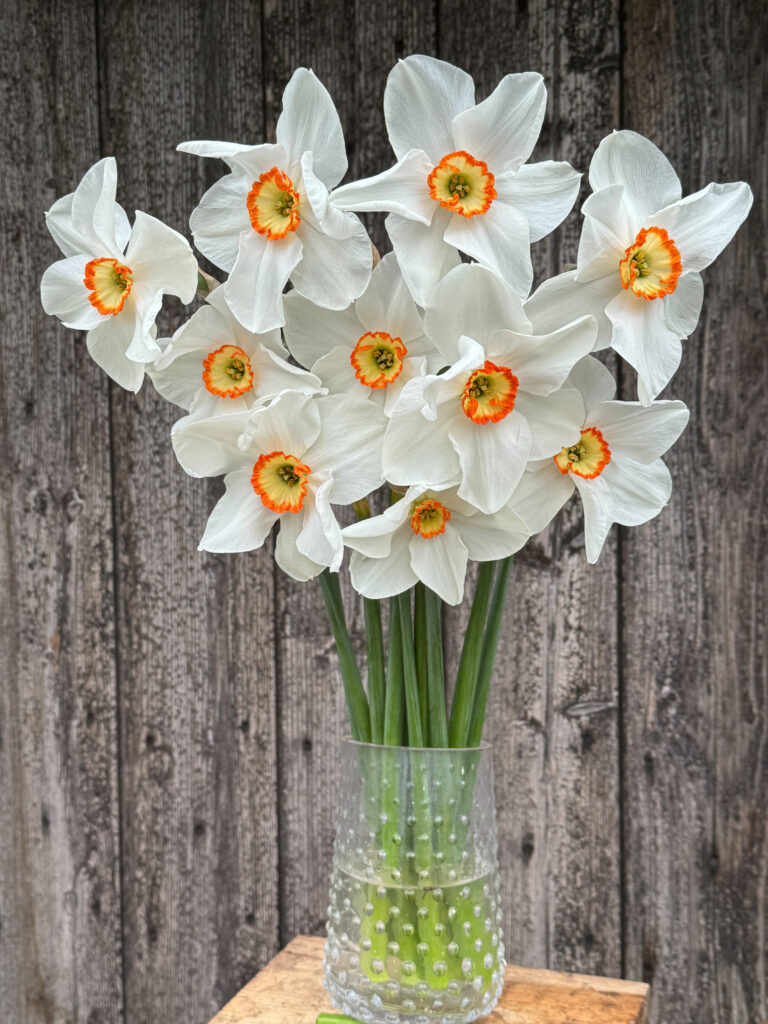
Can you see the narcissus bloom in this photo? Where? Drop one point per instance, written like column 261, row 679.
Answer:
column 461, row 180
column 269, row 220
column 615, row 464
column 213, row 365
column 428, row 535
column 640, row 254
column 290, row 462
column 501, row 401
column 369, row 350
column 113, row 279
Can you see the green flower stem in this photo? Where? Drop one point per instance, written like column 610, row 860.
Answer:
column 357, row 702
column 420, row 645
column 393, row 697
column 412, row 707
column 463, row 698
column 438, row 723
column 490, row 643
column 335, row 1018
column 375, row 657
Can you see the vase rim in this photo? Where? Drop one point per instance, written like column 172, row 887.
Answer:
column 424, row 750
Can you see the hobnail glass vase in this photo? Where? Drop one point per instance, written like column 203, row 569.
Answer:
column 414, row 921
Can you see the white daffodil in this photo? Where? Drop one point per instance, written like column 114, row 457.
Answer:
column 500, row 403
column 615, row 465
column 288, row 461
column 371, row 348
column 112, row 281
column 461, row 180
column 640, row 254
column 428, row 535
column 269, row 220
column 213, row 365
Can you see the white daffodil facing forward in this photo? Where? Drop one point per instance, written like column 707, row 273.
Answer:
column 615, row 465
column 288, row 462
column 640, row 254
column 112, row 281
column 428, row 535
column 269, row 220
column 500, row 403
column 213, row 365
column 461, row 180
column 371, row 348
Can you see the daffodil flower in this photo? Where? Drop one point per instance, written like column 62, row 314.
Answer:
column 615, row 465
column 641, row 249
column 112, row 281
column 213, row 365
column 270, row 221
column 288, row 462
column 371, row 348
column 461, row 181
column 500, row 402
column 428, row 535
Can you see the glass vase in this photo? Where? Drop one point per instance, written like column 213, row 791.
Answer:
column 414, row 921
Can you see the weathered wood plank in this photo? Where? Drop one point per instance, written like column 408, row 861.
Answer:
column 352, row 56
column 195, row 632
column 59, row 864
column 289, row 991
column 553, row 710
column 694, row 610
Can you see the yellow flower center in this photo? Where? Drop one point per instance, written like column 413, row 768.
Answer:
column 462, row 184
column 280, row 481
column 378, row 359
column 651, row 265
column 489, row 394
column 429, row 517
column 109, row 285
column 273, row 205
column 227, row 372
column 587, row 458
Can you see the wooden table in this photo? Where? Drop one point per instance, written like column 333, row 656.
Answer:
column 289, row 991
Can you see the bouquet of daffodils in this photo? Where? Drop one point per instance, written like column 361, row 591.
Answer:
column 433, row 371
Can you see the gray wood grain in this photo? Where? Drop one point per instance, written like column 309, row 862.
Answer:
column 60, row 945
column 693, row 582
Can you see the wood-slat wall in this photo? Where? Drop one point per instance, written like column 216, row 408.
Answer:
column 168, row 718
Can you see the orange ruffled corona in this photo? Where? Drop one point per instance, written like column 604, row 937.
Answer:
column 429, row 518
column 280, row 481
column 227, row 372
column 651, row 265
column 462, row 184
column 273, row 205
column 378, row 359
column 587, row 458
column 489, row 394
column 109, row 285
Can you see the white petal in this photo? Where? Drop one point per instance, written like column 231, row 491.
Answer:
column 349, row 445
column 492, row 456
column 638, row 491
column 639, row 432
column 180, row 380
column 641, row 336
column 683, row 307
column 94, row 211
column 309, row 121
column 333, row 270
column 473, row 301
column 63, row 294
column 503, row 129
column 145, row 302
column 555, row 421
column 386, row 304
column 703, row 224
column 418, row 449
column 421, row 99
column 384, row 577
column 441, row 564
column 540, row 495
column 594, row 381
column 626, row 158
column 274, row 375
column 373, row 537
column 498, row 239
column 219, row 219
column 218, row 150
column 544, row 192
column 107, row 345
column 289, row 424
column 287, row 555
column 605, row 235
column 422, row 254
column 160, row 255
column 239, row 522
column 489, row 538
column 402, row 189
column 562, row 299
column 254, row 289
column 320, row 536
column 542, row 362
column 311, row 332
column 337, row 374
column 598, row 513
column 208, row 447
column 413, row 367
